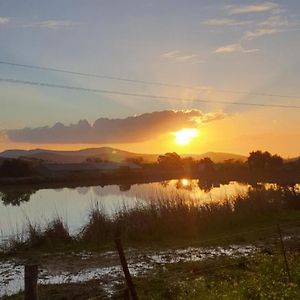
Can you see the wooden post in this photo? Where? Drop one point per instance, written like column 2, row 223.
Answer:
column 284, row 254
column 126, row 294
column 31, row 276
column 128, row 278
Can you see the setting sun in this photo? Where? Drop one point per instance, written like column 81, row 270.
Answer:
column 184, row 136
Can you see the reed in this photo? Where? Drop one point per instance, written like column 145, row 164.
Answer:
column 169, row 218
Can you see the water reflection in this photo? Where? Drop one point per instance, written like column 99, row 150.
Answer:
column 124, row 187
column 82, row 190
column 184, row 184
column 73, row 204
column 200, row 186
column 16, row 197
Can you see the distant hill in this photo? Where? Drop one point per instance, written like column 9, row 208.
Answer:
column 104, row 153
column 15, row 153
column 77, row 156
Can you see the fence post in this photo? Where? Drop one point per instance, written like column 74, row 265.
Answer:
column 128, row 278
column 284, row 254
column 30, row 280
column 126, row 294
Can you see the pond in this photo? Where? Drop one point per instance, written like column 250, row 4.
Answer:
column 20, row 206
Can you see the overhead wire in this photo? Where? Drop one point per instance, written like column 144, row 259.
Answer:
column 145, row 82
column 139, row 95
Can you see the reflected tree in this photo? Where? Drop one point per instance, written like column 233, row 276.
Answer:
column 124, row 187
column 205, row 186
column 15, row 197
column 165, row 183
column 83, row 190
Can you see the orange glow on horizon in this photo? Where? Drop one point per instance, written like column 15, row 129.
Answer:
column 233, row 134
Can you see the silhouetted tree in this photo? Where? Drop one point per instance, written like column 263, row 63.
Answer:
column 93, row 159
column 170, row 161
column 189, row 164
column 206, row 164
column 259, row 160
column 16, row 168
column 293, row 165
column 136, row 160
column 276, row 162
column 188, row 161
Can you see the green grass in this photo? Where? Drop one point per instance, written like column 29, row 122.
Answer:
column 69, row 291
column 261, row 277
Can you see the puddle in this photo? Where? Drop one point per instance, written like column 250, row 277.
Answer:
column 12, row 271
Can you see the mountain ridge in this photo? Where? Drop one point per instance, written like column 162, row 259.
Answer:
column 104, row 153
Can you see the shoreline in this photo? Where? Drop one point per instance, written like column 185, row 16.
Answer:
column 77, row 180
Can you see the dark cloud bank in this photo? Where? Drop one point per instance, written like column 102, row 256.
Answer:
column 132, row 129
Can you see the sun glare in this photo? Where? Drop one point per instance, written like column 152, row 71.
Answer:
column 184, row 136
column 184, row 182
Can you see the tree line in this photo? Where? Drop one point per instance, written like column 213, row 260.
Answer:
column 257, row 161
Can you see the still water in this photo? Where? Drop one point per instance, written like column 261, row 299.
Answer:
column 18, row 207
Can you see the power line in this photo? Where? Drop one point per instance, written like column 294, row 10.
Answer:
column 153, row 97
column 137, row 81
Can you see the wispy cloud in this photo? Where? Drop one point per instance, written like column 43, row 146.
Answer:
column 275, row 20
column 49, row 24
column 171, row 54
column 226, row 22
column 272, row 25
column 231, row 48
column 252, row 8
column 4, row 20
column 52, row 24
column 228, row 48
column 250, row 35
column 186, row 57
column 178, row 56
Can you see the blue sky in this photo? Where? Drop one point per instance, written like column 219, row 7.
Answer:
column 220, row 45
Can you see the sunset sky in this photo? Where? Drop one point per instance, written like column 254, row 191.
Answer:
column 227, row 51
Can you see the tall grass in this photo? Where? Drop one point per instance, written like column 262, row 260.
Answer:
column 55, row 233
column 100, row 226
column 172, row 218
